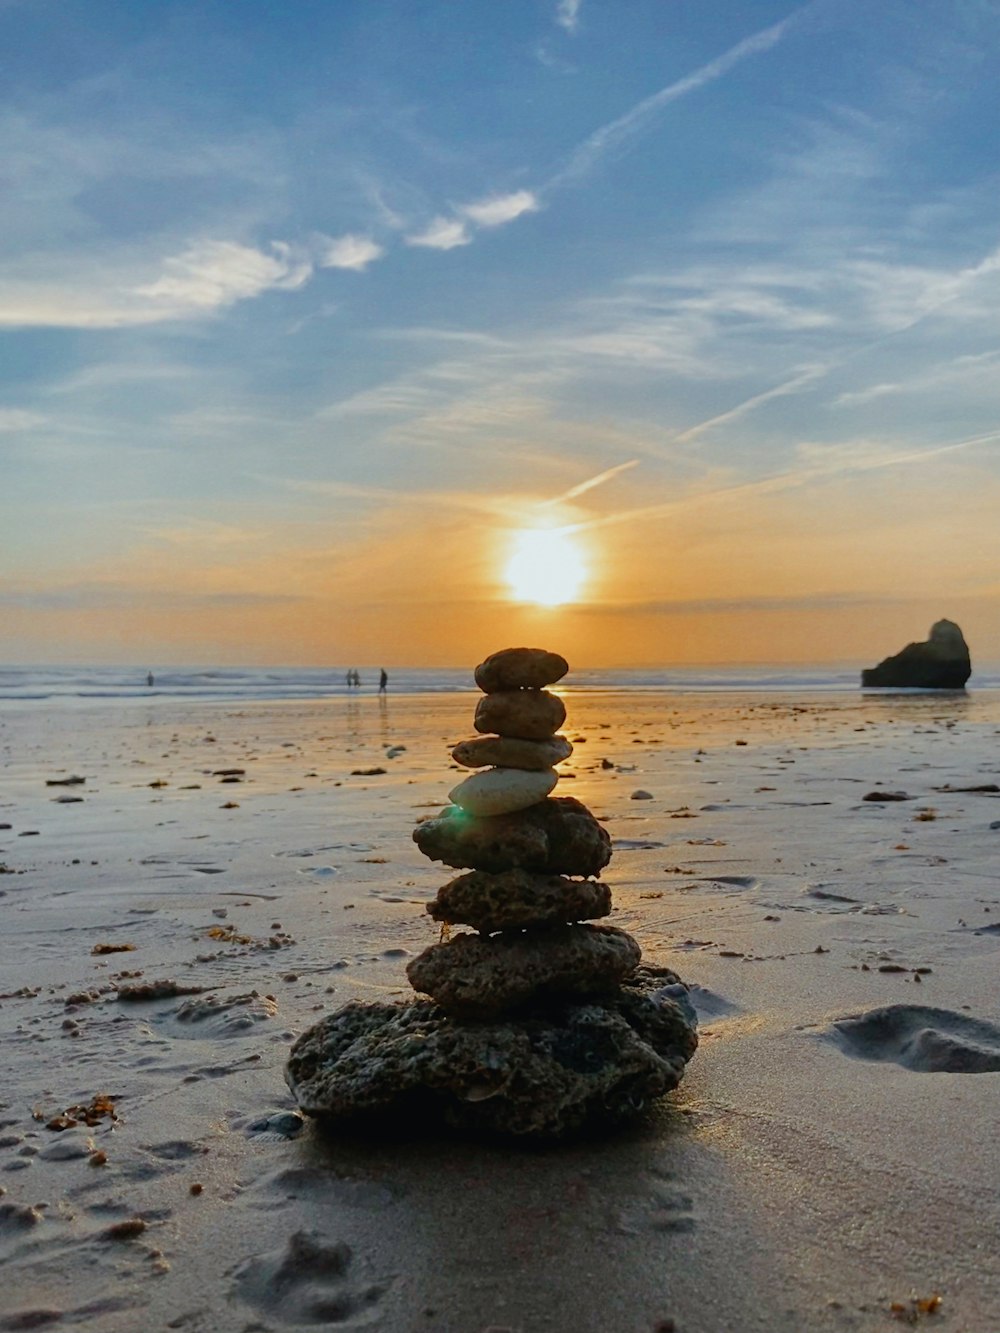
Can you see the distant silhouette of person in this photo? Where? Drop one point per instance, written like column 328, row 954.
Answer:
column 357, row 679
column 149, row 679
column 383, row 681
column 350, row 679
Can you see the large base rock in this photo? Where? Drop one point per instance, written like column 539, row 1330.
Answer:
column 550, row 1072
column 942, row 663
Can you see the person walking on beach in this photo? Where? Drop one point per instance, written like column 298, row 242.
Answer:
column 149, row 679
column 383, row 681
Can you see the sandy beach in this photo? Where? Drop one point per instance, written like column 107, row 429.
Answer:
column 809, row 1172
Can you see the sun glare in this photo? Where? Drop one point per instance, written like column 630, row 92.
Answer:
column 546, row 567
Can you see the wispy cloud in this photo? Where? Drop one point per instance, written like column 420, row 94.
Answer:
column 960, row 370
column 214, row 274
column 111, row 292
column 568, row 14
column 441, row 234
column 17, row 419
column 350, row 252
column 447, row 233
column 501, row 208
column 617, row 132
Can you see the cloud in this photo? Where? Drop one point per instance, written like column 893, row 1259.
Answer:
column 104, row 291
column 587, row 156
column 501, row 208
column 213, row 274
column 16, row 418
column 350, row 251
column 441, row 234
column 568, row 14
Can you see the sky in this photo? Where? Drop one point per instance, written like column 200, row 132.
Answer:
column 309, row 310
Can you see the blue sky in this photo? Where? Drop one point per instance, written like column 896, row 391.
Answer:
column 304, row 308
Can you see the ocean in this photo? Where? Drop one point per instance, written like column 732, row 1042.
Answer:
column 65, row 684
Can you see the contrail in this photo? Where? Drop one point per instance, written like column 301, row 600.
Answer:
column 587, row 155
column 785, row 481
column 791, row 386
column 589, row 485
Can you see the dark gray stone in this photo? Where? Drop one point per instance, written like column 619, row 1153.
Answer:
column 517, row 898
column 941, row 663
column 558, row 836
column 560, row 1068
column 520, row 669
column 530, row 715
column 486, row 976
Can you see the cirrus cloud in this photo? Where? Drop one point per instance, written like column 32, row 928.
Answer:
column 350, row 252
column 501, row 208
column 441, row 234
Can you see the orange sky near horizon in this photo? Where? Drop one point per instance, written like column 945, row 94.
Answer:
column 836, row 567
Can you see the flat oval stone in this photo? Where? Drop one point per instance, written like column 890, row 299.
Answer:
column 531, row 715
column 501, row 791
column 520, row 669
column 486, row 976
column 517, row 898
column 558, row 836
column 510, row 752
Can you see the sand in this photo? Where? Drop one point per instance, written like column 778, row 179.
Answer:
column 821, row 1160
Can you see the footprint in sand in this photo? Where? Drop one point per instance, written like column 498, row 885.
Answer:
column 664, row 1207
column 926, row 1040
column 318, row 1187
column 220, row 1015
column 310, row 1280
column 709, row 1004
column 731, row 881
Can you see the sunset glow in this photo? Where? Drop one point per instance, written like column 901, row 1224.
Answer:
column 546, row 568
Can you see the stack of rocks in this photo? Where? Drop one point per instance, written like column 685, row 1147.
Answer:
column 537, row 1023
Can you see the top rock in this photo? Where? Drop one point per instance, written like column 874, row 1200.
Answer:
column 520, row 669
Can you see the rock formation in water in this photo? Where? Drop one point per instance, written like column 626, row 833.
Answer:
column 941, row 663
column 538, row 1022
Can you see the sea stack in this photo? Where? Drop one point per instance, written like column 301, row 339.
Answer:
column 538, row 1021
column 942, row 662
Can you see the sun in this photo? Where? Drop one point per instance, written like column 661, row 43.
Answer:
column 546, row 567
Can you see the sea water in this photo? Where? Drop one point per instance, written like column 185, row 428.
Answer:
column 55, row 684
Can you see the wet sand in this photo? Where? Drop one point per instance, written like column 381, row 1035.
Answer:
column 831, row 1151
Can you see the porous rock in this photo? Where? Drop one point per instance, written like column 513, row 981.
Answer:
column 561, row 1068
column 517, row 898
column 530, row 715
column 501, row 791
column 510, row 752
column 520, row 669
column 942, row 662
column 486, row 976
column 558, row 836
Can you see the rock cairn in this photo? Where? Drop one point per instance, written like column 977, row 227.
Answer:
column 538, row 1022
